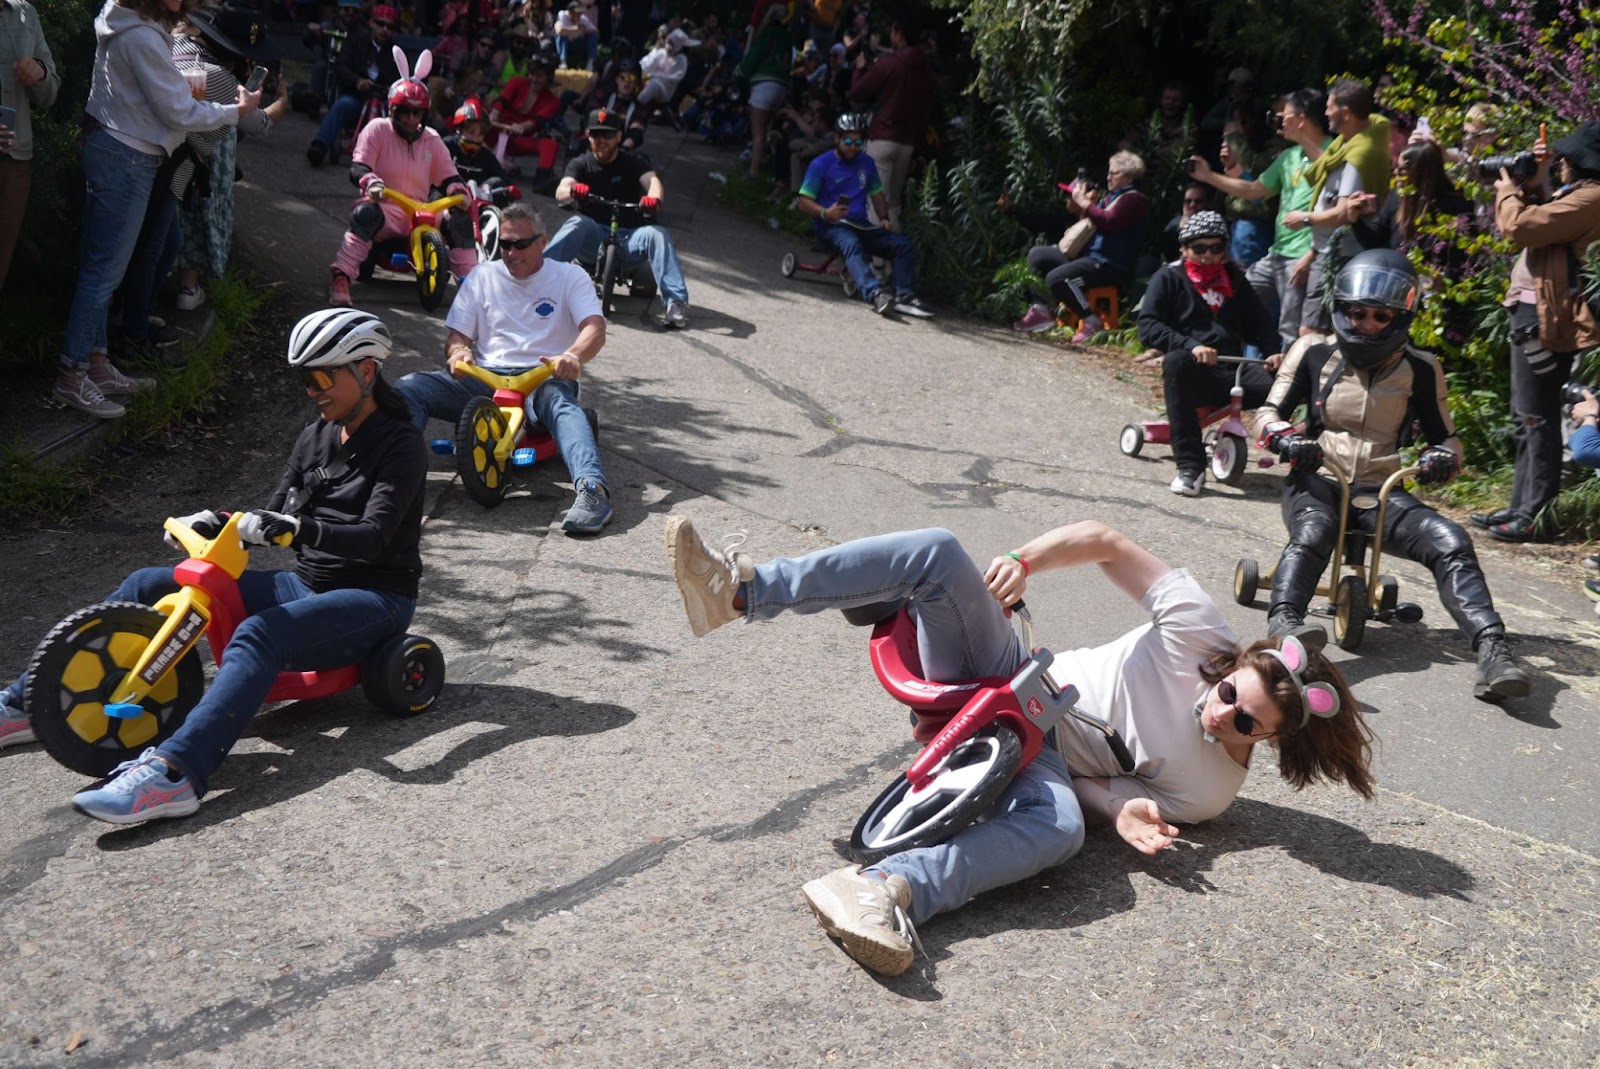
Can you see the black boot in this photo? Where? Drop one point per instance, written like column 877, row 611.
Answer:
column 1499, row 674
column 1286, row 621
column 1487, row 520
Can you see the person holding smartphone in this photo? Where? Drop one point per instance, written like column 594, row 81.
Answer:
column 28, row 80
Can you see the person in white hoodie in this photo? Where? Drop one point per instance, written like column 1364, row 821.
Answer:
column 140, row 109
column 665, row 67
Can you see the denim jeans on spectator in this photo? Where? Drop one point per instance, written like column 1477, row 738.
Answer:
column 859, row 246
column 436, row 395
column 578, row 241
column 117, row 184
column 160, row 242
column 343, row 114
column 962, row 633
column 289, row 628
column 1269, row 277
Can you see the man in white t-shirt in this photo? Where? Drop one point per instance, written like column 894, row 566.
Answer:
column 1189, row 702
column 518, row 312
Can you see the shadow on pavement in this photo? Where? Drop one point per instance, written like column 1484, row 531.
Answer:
column 317, row 752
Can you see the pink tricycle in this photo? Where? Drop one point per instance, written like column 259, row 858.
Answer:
column 1226, row 436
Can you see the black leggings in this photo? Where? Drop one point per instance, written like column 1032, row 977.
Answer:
column 1087, row 271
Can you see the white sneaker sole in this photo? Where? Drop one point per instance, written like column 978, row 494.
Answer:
column 155, row 812
column 869, row 948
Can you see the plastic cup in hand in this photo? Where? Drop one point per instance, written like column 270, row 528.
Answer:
column 196, row 77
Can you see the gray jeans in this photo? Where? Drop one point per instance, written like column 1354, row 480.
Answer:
column 1269, row 277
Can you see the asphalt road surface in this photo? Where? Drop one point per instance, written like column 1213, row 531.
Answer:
column 590, row 852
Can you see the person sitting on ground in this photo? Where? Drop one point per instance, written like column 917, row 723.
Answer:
column 837, row 187
column 469, row 146
column 572, row 32
column 400, row 152
column 1119, row 218
column 665, row 66
column 520, row 311
column 1188, row 700
column 527, row 117
column 608, row 170
column 351, row 499
column 1192, row 311
column 1362, row 389
column 365, row 65
column 1196, row 198
column 809, row 133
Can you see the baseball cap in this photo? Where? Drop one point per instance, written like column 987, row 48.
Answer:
column 604, row 119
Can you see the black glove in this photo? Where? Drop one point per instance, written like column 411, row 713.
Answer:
column 206, row 524
column 1439, row 466
column 1301, row 452
column 259, row 527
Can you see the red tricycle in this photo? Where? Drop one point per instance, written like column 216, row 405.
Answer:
column 1227, row 439
column 114, row 678
column 999, row 727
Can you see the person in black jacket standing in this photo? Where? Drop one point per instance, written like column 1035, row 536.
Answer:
column 1196, row 308
column 350, row 499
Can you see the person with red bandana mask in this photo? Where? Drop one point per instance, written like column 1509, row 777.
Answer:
column 1194, row 309
column 402, row 153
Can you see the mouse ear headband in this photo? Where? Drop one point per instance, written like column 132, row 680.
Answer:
column 1319, row 699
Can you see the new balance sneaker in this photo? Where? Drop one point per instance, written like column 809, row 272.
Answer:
column 1036, row 321
column 113, row 383
column 139, row 790
column 1188, row 483
column 15, row 727
column 1087, row 329
column 75, row 389
column 591, row 508
column 677, row 315
column 339, row 291
column 910, row 304
column 882, row 303
column 708, row 579
column 868, row 917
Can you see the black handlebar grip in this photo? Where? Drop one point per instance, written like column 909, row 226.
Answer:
column 1120, row 749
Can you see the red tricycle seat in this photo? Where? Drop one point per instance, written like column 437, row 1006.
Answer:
column 899, row 667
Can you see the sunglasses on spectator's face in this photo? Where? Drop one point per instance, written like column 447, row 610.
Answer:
column 852, row 141
column 520, row 243
column 1243, row 722
column 1381, row 316
column 1207, row 248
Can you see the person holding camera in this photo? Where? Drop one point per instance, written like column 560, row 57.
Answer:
column 1550, row 320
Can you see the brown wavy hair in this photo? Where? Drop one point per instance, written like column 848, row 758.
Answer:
column 1336, row 749
column 155, row 11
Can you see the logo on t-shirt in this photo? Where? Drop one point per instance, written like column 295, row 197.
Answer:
column 544, row 306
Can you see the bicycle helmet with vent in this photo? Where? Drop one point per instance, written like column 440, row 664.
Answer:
column 335, row 337
column 852, row 122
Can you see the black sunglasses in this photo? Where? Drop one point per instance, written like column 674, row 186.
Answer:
column 520, row 243
column 1208, row 246
column 1243, row 722
column 1382, row 316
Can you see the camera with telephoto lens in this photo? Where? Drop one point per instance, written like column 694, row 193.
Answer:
column 1572, row 392
column 1518, row 165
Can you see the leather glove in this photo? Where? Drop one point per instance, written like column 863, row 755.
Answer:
column 1301, row 452
column 206, row 524
column 650, row 204
column 580, row 190
column 259, row 527
column 1439, row 466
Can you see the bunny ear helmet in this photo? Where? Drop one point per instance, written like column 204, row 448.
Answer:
column 424, row 65
column 402, row 62
column 1316, row 699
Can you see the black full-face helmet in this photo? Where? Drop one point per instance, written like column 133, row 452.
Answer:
column 1377, row 278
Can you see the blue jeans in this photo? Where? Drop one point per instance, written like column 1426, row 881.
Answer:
column 578, row 241
column 343, row 114
column 117, row 182
column 160, row 242
column 859, row 246
column 289, row 628
column 962, row 633
column 436, row 395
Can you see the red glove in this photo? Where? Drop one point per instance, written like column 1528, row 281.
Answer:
column 650, row 204
column 580, row 190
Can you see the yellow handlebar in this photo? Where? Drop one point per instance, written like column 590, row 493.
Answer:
column 454, row 200
column 523, row 382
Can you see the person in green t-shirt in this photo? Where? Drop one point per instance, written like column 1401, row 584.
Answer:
column 1279, row 277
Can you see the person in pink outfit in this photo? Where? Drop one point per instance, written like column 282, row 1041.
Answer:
column 400, row 153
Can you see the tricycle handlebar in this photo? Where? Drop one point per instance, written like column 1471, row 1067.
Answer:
column 523, row 382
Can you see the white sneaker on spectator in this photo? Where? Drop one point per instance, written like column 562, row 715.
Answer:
column 75, row 389
column 909, row 304
column 1188, row 483
column 189, row 300
column 677, row 315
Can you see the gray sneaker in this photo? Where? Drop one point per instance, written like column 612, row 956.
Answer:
column 677, row 315
column 882, row 303
column 708, row 579
column 75, row 390
column 591, row 509
column 868, row 917
column 113, row 383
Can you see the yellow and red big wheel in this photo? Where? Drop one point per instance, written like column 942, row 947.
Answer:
column 478, row 431
column 433, row 270
column 74, row 672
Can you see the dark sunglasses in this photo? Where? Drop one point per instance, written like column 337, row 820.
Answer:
column 1381, row 316
column 520, row 243
column 383, row 24
column 315, row 378
column 1243, row 722
column 604, row 135
column 1207, row 246
column 852, row 141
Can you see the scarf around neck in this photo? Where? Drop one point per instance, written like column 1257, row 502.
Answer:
column 1212, row 281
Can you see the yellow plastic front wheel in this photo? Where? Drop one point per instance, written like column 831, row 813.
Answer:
column 479, row 430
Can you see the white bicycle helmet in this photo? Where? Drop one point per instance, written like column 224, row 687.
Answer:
column 334, row 337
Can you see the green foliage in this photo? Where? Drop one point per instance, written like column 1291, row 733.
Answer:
column 753, row 197
column 1013, row 289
